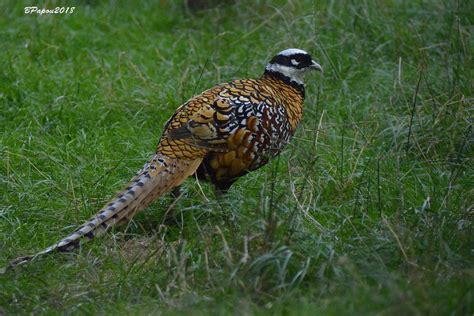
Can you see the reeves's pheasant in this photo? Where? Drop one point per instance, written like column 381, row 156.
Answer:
column 221, row 134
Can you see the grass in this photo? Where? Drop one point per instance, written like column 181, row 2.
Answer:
column 368, row 211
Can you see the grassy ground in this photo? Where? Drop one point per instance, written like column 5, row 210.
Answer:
column 369, row 210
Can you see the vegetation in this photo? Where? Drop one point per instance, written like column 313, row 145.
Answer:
column 369, row 210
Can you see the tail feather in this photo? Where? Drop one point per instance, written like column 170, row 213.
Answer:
column 157, row 177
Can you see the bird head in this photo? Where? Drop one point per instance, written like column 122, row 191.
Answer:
column 291, row 64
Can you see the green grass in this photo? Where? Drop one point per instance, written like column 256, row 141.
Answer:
column 368, row 211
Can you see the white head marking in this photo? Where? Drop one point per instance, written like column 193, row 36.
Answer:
column 292, row 51
column 289, row 72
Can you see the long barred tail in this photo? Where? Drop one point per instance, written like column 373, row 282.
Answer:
column 157, row 177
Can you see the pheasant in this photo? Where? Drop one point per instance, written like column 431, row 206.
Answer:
column 219, row 135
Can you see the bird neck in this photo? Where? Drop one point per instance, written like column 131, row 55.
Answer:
column 278, row 76
column 288, row 94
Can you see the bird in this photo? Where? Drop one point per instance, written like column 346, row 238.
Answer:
column 219, row 135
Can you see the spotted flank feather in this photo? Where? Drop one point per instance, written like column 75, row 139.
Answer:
column 221, row 135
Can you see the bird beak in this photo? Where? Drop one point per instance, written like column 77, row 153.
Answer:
column 316, row 66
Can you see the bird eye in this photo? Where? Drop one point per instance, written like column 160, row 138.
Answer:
column 294, row 62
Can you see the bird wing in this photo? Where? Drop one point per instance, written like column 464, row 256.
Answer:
column 208, row 120
column 208, row 127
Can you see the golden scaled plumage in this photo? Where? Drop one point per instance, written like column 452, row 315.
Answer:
column 200, row 128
